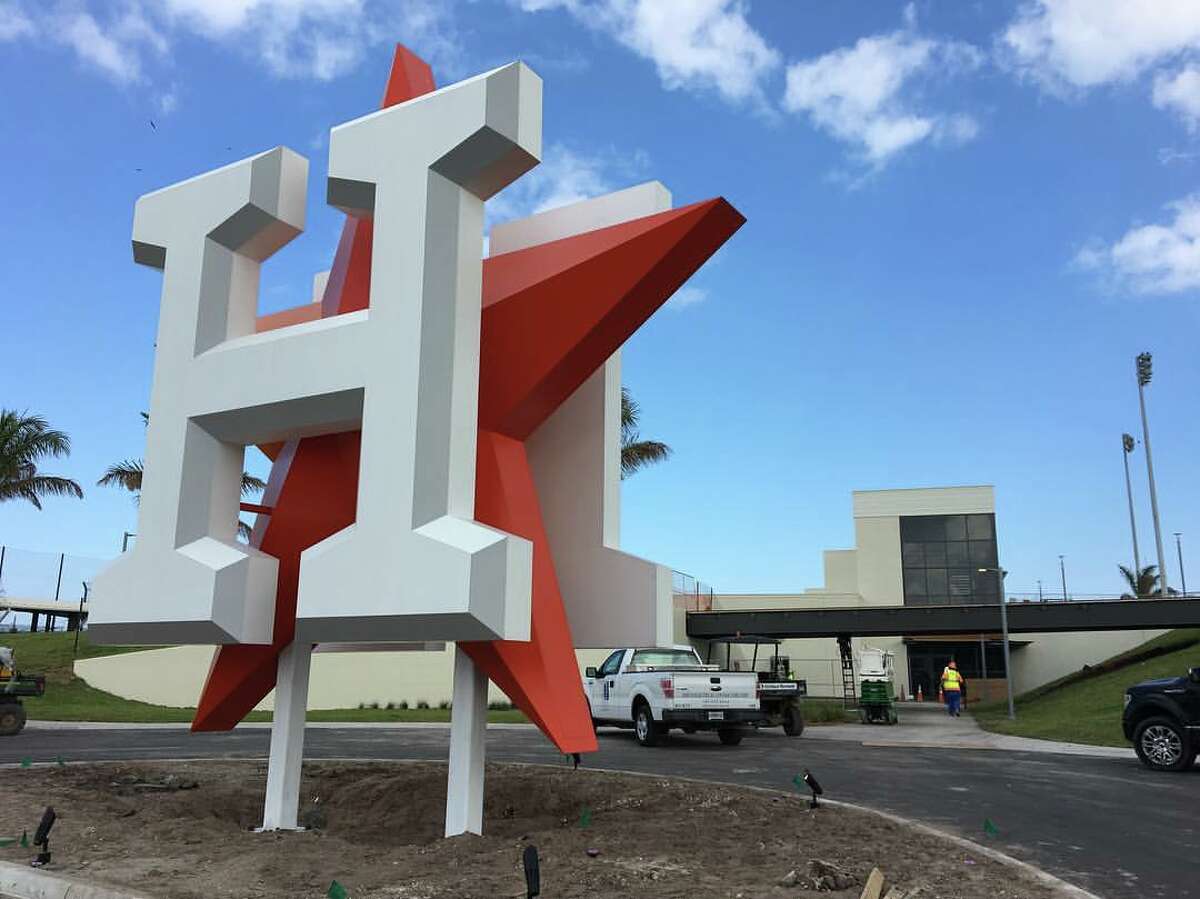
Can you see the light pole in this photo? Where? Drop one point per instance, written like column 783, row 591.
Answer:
column 1012, row 712
column 1127, row 443
column 1062, row 569
column 125, row 540
column 1040, row 597
column 1179, row 551
column 1144, row 374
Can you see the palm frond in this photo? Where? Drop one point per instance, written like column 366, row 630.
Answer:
column 630, row 410
column 252, row 485
column 635, row 456
column 49, row 485
column 25, row 440
column 127, row 475
column 635, row 452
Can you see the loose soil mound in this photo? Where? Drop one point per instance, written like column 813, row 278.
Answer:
column 133, row 826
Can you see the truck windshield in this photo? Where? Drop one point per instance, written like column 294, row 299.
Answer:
column 665, row 658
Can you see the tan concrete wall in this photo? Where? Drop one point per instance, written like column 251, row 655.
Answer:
column 1051, row 656
column 815, row 599
column 841, row 570
column 175, row 676
column 879, row 573
column 924, row 501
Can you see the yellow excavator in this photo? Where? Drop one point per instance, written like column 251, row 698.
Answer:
column 14, row 685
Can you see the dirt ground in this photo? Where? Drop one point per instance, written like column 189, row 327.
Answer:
column 599, row 835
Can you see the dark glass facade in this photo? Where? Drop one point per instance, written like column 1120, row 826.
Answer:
column 941, row 556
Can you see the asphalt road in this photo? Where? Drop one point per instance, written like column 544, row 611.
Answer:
column 1107, row 825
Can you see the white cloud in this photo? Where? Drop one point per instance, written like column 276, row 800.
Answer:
column 1180, row 93
column 168, row 101
column 694, row 44
column 857, row 94
column 564, row 176
column 1153, row 259
column 101, row 49
column 688, row 295
column 318, row 39
column 1084, row 43
column 14, row 23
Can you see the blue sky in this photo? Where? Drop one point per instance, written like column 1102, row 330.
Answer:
column 964, row 221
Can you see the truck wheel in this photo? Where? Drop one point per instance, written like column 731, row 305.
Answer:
column 12, row 719
column 793, row 721
column 1163, row 745
column 644, row 728
column 730, row 736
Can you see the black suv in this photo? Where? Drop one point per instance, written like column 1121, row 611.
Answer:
column 1162, row 720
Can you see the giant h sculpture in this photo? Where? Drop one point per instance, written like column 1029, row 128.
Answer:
column 443, row 432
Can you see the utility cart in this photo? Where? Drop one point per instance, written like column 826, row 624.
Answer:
column 779, row 693
column 876, row 686
column 14, row 685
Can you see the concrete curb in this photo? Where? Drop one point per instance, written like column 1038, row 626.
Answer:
column 22, row 882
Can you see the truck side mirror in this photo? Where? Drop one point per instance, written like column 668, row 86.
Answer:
column 590, row 671
column 1194, row 675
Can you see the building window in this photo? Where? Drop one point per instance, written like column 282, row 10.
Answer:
column 942, row 555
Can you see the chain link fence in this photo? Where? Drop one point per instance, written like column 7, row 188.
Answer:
column 45, row 577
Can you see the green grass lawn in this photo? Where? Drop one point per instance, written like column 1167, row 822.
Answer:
column 826, row 711
column 69, row 698
column 1088, row 709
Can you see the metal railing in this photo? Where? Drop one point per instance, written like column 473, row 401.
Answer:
column 691, row 594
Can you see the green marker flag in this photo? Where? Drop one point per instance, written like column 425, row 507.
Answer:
column 24, row 839
column 337, row 891
column 799, row 782
column 58, row 760
column 27, row 762
column 585, row 820
column 989, row 828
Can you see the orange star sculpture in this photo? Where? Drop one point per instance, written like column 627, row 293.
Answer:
column 552, row 314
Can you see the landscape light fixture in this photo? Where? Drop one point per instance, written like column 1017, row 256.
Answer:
column 42, row 838
column 816, row 788
column 533, row 874
column 1128, row 443
column 1008, row 681
column 1143, row 378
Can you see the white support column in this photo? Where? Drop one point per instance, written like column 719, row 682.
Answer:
column 287, row 739
column 468, row 723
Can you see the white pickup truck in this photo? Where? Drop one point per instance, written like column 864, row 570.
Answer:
column 654, row 690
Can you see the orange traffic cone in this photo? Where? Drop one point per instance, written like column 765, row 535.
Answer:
column 920, row 693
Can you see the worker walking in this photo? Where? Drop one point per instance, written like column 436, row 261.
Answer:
column 953, row 684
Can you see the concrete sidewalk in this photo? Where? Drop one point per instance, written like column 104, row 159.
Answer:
column 927, row 726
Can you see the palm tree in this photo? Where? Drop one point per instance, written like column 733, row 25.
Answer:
column 1144, row 583
column 635, row 452
column 127, row 475
column 24, row 441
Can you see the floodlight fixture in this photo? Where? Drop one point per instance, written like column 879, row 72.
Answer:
column 1128, row 442
column 1144, row 371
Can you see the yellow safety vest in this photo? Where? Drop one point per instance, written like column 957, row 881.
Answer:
column 951, row 680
